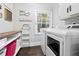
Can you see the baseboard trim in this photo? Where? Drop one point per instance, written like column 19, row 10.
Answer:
column 35, row 43
column 32, row 44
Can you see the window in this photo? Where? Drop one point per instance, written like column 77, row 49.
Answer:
column 42, row 21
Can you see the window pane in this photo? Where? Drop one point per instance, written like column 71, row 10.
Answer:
column 42, row 20
column 43, row 25
column 47, row 25
column 39, row 26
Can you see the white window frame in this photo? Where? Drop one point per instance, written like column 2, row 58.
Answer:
column 49, row 15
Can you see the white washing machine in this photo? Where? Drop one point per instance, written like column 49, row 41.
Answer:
column 62, row 42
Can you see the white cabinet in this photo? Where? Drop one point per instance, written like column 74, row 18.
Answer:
column 68, row 9
column 63, row 10
column 75, row 8
column 43, row 41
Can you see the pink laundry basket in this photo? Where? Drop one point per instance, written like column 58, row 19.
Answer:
column 11, row 48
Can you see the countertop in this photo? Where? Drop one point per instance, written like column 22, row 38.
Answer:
column 7, row 34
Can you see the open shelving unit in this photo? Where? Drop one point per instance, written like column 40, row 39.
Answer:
column 9, row 40
column 6, row 39
column 25, row 35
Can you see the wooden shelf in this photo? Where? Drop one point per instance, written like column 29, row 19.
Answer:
column 7, row 34
column 9, row 41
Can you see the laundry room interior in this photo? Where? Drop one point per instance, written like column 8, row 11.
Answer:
column 39, row 29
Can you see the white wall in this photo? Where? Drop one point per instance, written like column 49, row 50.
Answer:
column 5, row 26
column 57, row 22
column 33, row 8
